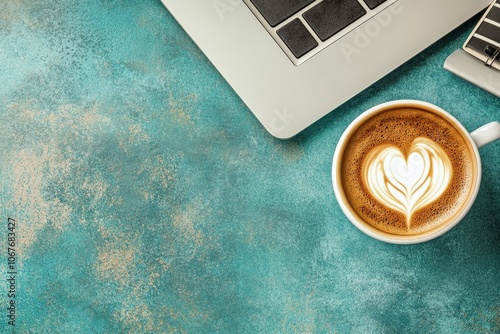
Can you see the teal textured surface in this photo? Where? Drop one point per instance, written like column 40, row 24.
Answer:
column 148, row 199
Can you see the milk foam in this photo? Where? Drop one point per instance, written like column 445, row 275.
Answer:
column 406, row 185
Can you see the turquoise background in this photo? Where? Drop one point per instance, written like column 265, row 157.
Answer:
column 150, row 200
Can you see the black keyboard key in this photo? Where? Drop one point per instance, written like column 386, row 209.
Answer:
column 489, row 30
column 372, row 4
column 494, row 14
column 277, row 11
column 297, row 38
column 477, row 44
column 330, row 16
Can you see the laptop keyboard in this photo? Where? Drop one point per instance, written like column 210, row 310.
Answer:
column 484, row 41
column 304, row 27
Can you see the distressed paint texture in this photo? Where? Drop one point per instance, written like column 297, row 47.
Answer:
column 150, row 200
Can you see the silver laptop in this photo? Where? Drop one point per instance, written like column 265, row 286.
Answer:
column 294, row 61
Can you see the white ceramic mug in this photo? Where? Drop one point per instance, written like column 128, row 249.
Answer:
column 477, row 139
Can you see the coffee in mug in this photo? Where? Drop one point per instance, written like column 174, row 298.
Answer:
column 406, row 171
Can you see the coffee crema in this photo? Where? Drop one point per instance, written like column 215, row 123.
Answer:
column 407, row 171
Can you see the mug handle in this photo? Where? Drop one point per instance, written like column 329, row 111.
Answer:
column 486, row 134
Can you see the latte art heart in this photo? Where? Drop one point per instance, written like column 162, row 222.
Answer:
column 407, row 184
